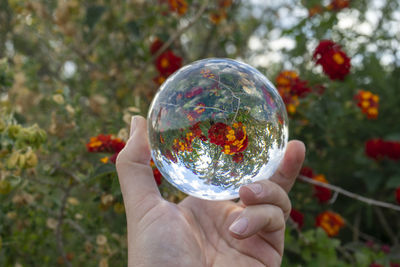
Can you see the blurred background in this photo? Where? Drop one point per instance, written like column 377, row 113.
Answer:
column 72, row 73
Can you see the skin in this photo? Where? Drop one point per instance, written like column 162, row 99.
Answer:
column 199, row 232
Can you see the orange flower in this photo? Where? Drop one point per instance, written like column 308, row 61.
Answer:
column 291, row 88
column 224, row 3
column 178, row 6
column 368, row 103
column 105, row 143
column 159, row 79
column 217, row 16
column 232, row 139
column 330, row 222
column 200, row 108
column 105, row 160
column 207, row 74
column 312, row 11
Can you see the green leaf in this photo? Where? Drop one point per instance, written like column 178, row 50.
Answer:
column 103, row 170
column 393, row 182
column 93, row 14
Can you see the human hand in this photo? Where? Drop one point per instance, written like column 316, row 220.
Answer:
column 199, row 232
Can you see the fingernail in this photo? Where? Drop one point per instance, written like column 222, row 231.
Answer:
column 256, row 188
column 133, row 125
column 239, row 226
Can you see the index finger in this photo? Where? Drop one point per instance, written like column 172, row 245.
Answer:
column 290, row 165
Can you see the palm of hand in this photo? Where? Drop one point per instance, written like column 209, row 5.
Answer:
column 195, row 233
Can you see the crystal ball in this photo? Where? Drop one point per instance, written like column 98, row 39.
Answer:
column 215, row 125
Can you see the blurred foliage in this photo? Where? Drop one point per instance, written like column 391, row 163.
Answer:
column 70, row 70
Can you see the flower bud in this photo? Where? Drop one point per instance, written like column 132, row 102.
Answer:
column 22, row 161
column 59, row 99
column 13, row 131
column 41, row 136
column 31, row 159
column 13, row 160
column 24, row 135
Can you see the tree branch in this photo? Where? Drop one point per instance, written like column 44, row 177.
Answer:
column 179, row 32
column 59, row 239
column 349, row 194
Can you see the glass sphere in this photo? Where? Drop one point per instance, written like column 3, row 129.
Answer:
column 215, row 125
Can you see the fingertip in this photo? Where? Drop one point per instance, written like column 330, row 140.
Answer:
column 239, row 228
column 137, row 147
column 297, row 149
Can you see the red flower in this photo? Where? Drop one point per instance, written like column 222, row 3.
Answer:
column 170, row 156
column 335, row 63
column 105, row 143
column 393, row 150
column 193, row 92
column 195, row 129
column 398, row 195
column 307, row 171
column 155, row 46
column 238, row 157
column 167, row 63
column 377, row 149
column 217, row 133
column 297, row 217
column 192, row 115
column 338, row 4
column 113, row 158
column 117, row 145
column 232, row 139
column 321, row 193
column 290, row 87
column 375, row 265
column 289, row 82
column 156, row 173
column 330, row 222
column 373, row 148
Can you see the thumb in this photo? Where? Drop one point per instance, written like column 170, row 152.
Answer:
column 134, row 172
